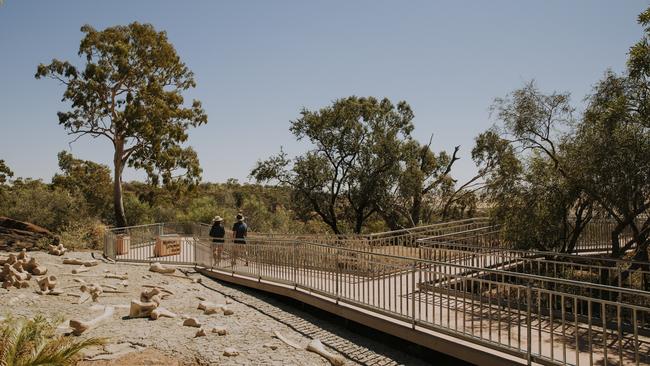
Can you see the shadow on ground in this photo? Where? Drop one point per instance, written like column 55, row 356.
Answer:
column 378, row 347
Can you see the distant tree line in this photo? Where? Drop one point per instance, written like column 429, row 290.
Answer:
column 77, row 203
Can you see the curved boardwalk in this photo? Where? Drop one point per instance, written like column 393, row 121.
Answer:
column 481, row 315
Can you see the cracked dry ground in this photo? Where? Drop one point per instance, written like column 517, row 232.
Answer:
column 166, row 341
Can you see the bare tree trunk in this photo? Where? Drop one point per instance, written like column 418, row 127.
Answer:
column 118, row 202
column 358, row 222
column 615, row 237
column 416, row 210
column 640, row 259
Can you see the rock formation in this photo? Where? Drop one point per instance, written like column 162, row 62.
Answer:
column 16, row 235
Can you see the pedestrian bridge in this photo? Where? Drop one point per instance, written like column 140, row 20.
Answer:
column 451, row 287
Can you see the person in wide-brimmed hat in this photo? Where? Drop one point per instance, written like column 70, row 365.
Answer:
column 218, row 233
column 239, row 232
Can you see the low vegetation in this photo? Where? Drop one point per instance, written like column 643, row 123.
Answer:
column 33, row 342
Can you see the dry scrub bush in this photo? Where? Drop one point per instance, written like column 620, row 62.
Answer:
column 86, row 234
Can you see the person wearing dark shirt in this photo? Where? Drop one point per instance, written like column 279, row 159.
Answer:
column 217, row 232
column 239, row 232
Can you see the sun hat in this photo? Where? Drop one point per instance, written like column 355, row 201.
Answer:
column 240, row 217
column 217, row 219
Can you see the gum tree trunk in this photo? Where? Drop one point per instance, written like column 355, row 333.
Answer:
column 118, row 202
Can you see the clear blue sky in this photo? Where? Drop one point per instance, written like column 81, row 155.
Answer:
column 258, row 62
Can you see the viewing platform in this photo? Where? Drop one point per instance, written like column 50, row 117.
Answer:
column 468, row 297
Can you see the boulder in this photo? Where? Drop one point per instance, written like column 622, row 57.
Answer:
column 17, row 235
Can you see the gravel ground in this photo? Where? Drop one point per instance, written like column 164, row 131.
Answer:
column 249, row 331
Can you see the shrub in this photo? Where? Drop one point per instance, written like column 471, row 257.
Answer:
column 87, row 234
column 137, row 212
column 33, row 342
column 36, row 202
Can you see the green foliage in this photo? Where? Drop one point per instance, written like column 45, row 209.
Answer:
column 88, row 233
column 137, row 211
column 612, row 146
column 424, row 189
column 5, row 172
column 576, row 169
column 36, row 202
column 534, row 192
column 90, row 179
column 357, row 144
column 33, row 342
column 130, row 92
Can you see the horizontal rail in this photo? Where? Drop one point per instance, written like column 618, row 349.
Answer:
column 489, row 296
column 541, row 324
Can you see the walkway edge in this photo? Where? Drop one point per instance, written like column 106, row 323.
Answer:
column 463, row 350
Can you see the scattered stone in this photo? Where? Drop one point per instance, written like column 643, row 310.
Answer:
column 161, row 312
column 192, row 322
column 271, row 346
column 200, row 333
column 230, row 352
column 317, row 347
column 139, row 309
column 93, row 289
column 47, row 283
column 80, row 270
column 79, row 262
column 57, row 250
column 159, row 268
column 80, row 326
column 222, row 331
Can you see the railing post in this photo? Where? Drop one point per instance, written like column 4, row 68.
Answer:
column 529, row 333
column 295, row 265
column 413, row 294
column 338, row 270
column 257, row 260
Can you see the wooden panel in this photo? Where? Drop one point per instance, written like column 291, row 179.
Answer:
column 122, row 244
column 167, row 245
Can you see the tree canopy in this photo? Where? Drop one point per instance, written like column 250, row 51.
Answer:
column 5, row 172
column 90, row 179
column 364, row 165
column 356, row 144
column 580, row 168
column 130, row 92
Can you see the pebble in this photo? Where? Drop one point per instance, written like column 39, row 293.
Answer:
column 271, row 346
column 192, row 322
column 220, row 330
column 200, row 333
column 230, row 352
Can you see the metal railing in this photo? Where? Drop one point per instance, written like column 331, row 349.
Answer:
column 389, row 242
column 550, row 264
column 595, row 238
column 537, row 318
column 519, row 302
column 476, row 231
